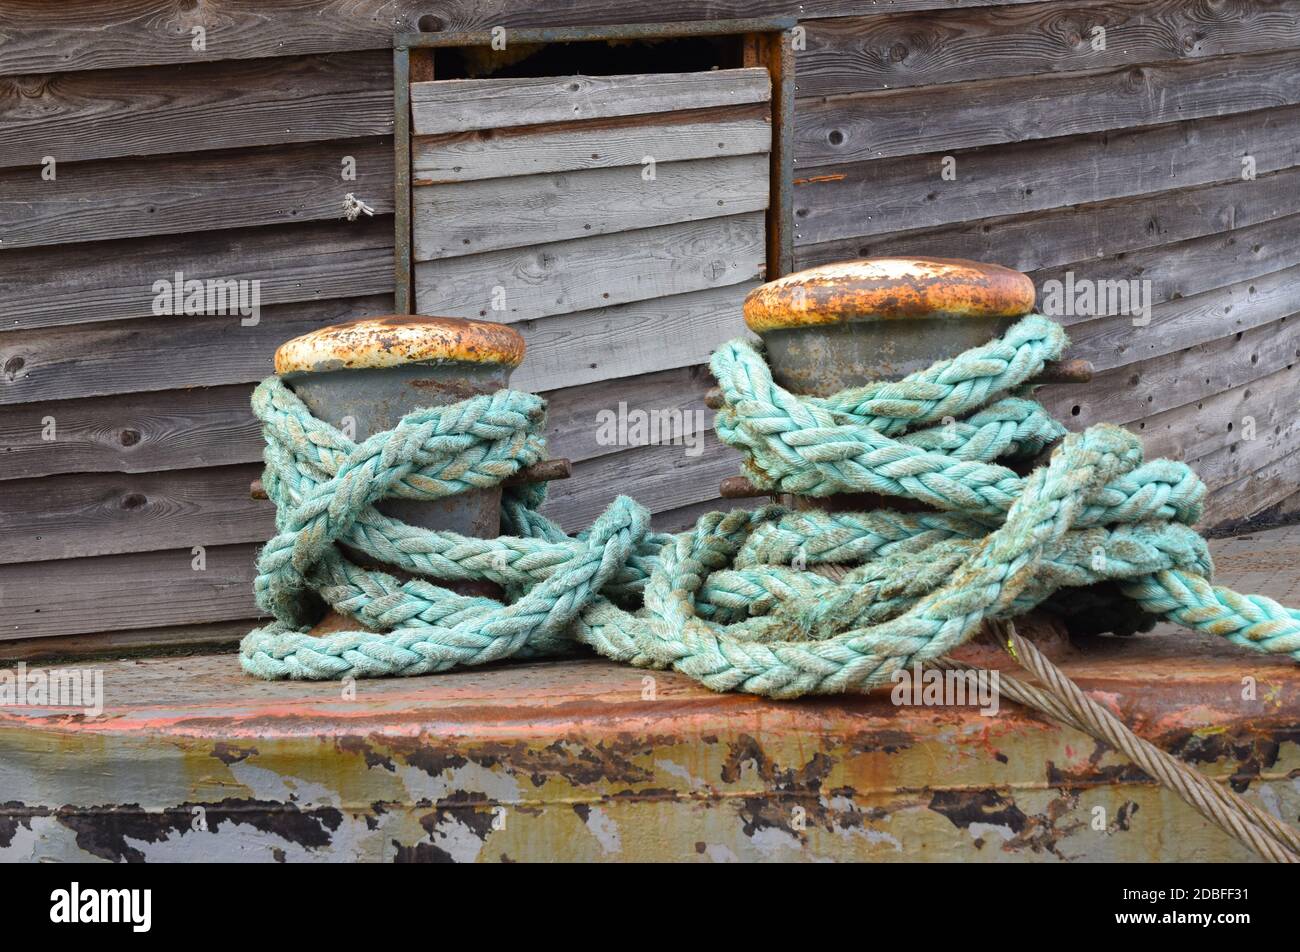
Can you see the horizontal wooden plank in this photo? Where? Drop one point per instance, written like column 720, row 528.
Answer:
column 1045, row 239
column 54, row 364
column 482, row 14
column 1126, row 394
column 1187, row 321
column 85, row 35
column 1181, row 270
column 128, row 198
column 602, row 143
column 1198, row 429
column 1253, row 493
column 854, row 54
column 126, row 592
column 88, row 514
column 83, row 283
column 195, row 106
column 1246, row 454
column 873, row 198
column 914, row 121
column 221, row 635
column 660, row 477
column 628, row 339
column 465, row 218
column 586, row 273
column 131, row 433
column 573, row 414
column 81, row 34
column 1284, row 511
column 460, row 105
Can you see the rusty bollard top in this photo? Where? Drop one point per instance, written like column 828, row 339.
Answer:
column 395, row 340
column 888, row 289
column 843, row 325
column 846, row 324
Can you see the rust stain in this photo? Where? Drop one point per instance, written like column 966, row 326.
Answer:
column 990, row 812
column 578, row 763
column 889, row 289
column 103, row 831
column 230, row 753
column 15, row 815
column 839, row 177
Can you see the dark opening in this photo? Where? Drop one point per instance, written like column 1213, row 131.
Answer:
column 590, row 58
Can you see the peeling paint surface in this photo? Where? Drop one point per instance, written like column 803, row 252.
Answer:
column 568, row 760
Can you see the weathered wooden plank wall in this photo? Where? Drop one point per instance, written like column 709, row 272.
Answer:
column 611, row 266
column 1111, row 161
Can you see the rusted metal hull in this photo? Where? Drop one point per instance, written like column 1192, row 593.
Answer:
column 586, row 760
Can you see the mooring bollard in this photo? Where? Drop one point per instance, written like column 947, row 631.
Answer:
column 844, row 325
column 364, row 376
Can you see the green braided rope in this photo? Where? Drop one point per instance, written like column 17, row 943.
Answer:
column 730, row 602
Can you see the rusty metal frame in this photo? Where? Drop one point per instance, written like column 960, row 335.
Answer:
column 775, row 52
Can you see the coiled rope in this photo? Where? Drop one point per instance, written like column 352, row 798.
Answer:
column 731, row 602
column 728, row 602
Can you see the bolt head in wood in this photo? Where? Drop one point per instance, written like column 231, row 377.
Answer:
column 873, row 289
column 397, row 340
